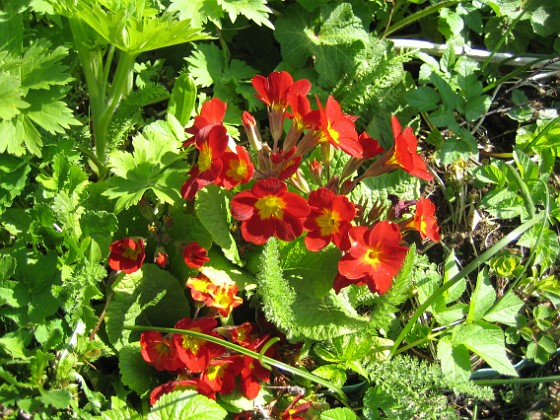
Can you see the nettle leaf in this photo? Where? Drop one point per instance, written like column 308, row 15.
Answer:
column 135, row 372
column 154, row 165
column 454, row 359
column 335, row 45
column 212, row 209
column 504, row 203
column 487, row 341
column 150, row 296
column 186, row 405
column 255, row 10
column 423, row 98
column 506, row 310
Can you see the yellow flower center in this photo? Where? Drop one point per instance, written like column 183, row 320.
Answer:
column 270, row 206
column 132, row 254
column 333, row 134
column 328, row 222
column 237, row 169
column 205, row 158
column 191, row 343
column 214, row 372
column 372, row 257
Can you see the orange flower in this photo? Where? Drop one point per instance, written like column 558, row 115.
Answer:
column 269, row 209
column 375, row 257
column 221, row 296
column 329, row 220
column 237, row 168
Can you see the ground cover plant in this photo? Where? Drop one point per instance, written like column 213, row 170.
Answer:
column 279, row 209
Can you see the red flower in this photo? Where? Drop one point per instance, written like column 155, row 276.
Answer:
column 160, row 352
column 293, row 413
column 212, row 113
column 370, row 146
column 269, row 209
column 194, row 255
column 127, row 255
column 253, row 373
column 195, row 352
column 424, row 220
column 241, row 334
column 375, row 257
column 275, row 91
column 329, row 220
column 284, row 163
column 336, row 127
column 161, row 259
column 210, row 150
column 221, row 373
column 237, row 168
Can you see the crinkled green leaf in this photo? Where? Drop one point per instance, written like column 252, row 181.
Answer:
column 135, row 372
column 335, row 374
column 212, row 209
column 186, row 405
column 454, row 359
column 58, row 398
column 150, row 296
column 423, row 98
column 482, row 298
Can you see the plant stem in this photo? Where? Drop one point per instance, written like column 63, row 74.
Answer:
column 517, row 380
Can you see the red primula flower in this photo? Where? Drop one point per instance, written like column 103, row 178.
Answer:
column 336, row 127
column 161, row 259
column 424, row 220
column 284, row 163
column 127, row 255
column 240, row 334
column 221, row 373
column 237, row 168
column 275, row 91
column 375, row 257
column 195, row 352
column 212, row 113
column 194, row 255
column 370, row 146
column 293, row 411
column 210, row 151
column 160, row 352
column 329, row 220
column 269, row 209
column 253, row 373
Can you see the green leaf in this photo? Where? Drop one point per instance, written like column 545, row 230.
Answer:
column 423, row 98
column 340, row 413
column 13, row 178
column 335, row 374
column 154, row 165
column 186, row 405
column 505, row 310
column 451, row 270
column 454, row 359
column 11, row 96
column 198, row 11
column 487, row 341
column 212, row 209
column 482, row 298
column 135, row 372
column 58, row 398
column 150, row 296
column 183, row 96
column 255, row 10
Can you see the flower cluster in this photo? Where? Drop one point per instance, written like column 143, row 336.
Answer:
column 201, row 365
column 278, row 202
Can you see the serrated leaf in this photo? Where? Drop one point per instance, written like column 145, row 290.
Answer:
column 42, row 68
column 135, row 372
column 11, row 96
column 505, row 310
column 340, row 413
column 482, row 298
column 212, row 209
column 186, row 405
column 454, row 359
column 150, row 296
column 58, row 398
column 335, row 374
column 488, row 342
column 123, row 413
column 255, row 10
column 423, row 98
column 198, row 11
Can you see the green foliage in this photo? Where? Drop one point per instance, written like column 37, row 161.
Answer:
column 404, row 387
column 135, row 372
column 186, row 404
